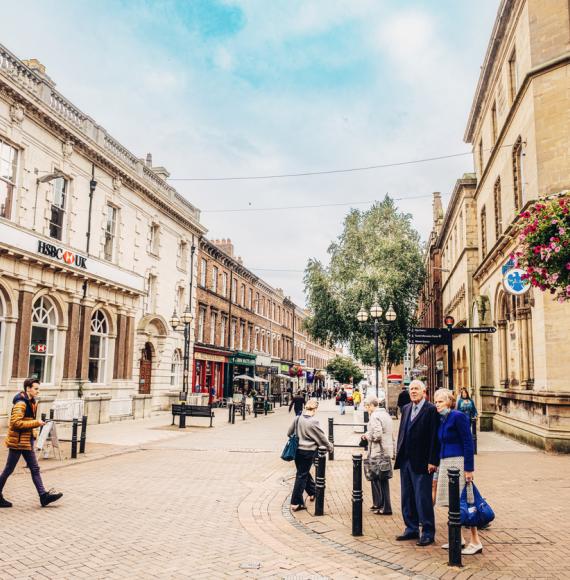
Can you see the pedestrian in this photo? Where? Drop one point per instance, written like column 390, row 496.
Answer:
column 297, row 402
column 311, row 437
column 456, row 445
column 356, row 398
column 417, row 458
column 380, row 442
column 342, row 396
column 403, row 398
column 466, row 405
column 20, row 441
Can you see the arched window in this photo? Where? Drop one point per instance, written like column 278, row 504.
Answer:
column 42, row 343
column 176, row 370
column 98, row 342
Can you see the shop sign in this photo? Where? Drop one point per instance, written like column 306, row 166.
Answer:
column 242, row 361
column 262, row 370
column 209, row 357
column 70, row 258
column 39, row 348
column 514, row 283
column 263, row 360
column 285, row 368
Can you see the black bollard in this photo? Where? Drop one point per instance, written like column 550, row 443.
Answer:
column 331, row 437
column 83, row 438
column 254, row 410
column 74, row 427
column 320, row 481
column 357, row 494
column 366, row 416
column 265, row 406
column 233, row 414
column 454, row 519
column 182, row 419
column 474, row 431
column 243, row 410
column 230, row 413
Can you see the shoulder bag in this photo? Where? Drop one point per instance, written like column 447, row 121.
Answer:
column 477, row 513
column 290, row 449
column 378, row 467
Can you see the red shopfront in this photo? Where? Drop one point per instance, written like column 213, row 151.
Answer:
column 209, row 368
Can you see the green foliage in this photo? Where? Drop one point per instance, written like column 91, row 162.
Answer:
column 378, row 257
column 343, row 369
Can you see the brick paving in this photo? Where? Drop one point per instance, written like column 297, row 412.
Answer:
column 212, row 503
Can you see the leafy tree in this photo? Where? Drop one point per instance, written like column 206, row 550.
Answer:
column 377, row 258
column 344, row 369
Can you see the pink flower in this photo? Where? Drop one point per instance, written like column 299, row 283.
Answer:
column 562, row 231
column 568, row 265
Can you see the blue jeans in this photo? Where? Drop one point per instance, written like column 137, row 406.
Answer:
column 31, row 461
column 341, row 405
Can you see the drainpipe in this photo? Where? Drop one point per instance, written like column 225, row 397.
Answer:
column 92, row 187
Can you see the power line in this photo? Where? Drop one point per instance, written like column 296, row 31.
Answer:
column 327, row 172
column 273, row 270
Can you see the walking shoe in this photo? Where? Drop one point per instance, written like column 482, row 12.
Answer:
column 472, row 549
column 49, row 497
column 4, row 503
column 446, row 546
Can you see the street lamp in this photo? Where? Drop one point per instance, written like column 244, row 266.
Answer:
column 376, row 314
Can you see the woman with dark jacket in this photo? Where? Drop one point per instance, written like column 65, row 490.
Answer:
column 297, row 402
column 456, row 450
column 20, row 442
column 311, row 437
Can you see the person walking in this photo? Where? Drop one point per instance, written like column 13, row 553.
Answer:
column 342, row 396
column 466, row 405
column 297, row 402
column 380, row 442
column 456, row 450
column 20, row 442
column 311, row 437
column 403, row 399
column 356, row 399
column 417, row 458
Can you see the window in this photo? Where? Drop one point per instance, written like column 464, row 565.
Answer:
column 242, row 299
column 223, row 327
column 513, row 76
column 234, row 297
column 201, row 319
column 110, row 232
column 182, row 254
column 480, row 155
column 8, row 164
column 176, row 370
column 233, row 335
column 498, row 212
column 224, row 284
column 58, row 208
column 154, row 244
column 42, row 342
column 203, row 272
column 518, row 174
column 483, row 231
column 257, row 307
column 494, row 122
column 151, row 294
column 241, row 335
column 98, row 347
column 250, row 299
column 213, row 323
column 249, row 331
column 215, row 279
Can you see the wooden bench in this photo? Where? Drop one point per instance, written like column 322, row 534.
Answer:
column 182, row 411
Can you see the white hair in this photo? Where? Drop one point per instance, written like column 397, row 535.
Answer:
column 418, row 383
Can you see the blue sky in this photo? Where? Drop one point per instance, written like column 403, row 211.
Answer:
column 254, row 87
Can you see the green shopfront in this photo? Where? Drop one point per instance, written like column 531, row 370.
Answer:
column 240, row 363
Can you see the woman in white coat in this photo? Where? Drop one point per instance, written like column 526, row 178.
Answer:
column 380, row 440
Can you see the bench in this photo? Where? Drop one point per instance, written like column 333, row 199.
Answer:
column 182, row 411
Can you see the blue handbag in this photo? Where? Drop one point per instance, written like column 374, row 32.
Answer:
column 290, row 449
column 476, row 514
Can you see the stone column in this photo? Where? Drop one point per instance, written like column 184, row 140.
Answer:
column 84, row 334
column 20, row 365
column 72, row 341
column 522, row 322
column 504, row 372
column 129, row 347
column 120, row 347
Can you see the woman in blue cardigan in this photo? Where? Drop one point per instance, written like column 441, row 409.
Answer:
column 456, row 450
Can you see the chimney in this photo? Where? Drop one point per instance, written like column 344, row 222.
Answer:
column 148, row 160
column 437, row 210
column 226, row 246
column 40, row 69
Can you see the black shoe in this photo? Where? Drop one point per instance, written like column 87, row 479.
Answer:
column 49, row 497
column 408, row 536
column 425, row 542
column 374, row 508
column 4, row 503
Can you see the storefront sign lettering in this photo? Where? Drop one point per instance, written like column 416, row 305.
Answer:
column 62, row 255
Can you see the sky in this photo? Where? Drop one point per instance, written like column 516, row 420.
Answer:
column 241, row 88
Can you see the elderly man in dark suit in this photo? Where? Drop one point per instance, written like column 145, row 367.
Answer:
column 417, row 458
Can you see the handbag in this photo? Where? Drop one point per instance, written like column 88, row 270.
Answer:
column 477, row 513
column 378, row 467
column 290, row 449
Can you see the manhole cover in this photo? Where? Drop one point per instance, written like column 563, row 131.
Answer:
column 250, row 566
column 518, row 536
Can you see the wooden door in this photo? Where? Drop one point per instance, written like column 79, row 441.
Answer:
column 145, row 371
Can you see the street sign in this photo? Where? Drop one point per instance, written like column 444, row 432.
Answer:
column 418, row 335
column 419, row 331
column 424, row 340
column 474, row 330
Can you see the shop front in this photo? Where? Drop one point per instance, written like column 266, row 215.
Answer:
column 263, row 371
column 240, row 364
column 209, row 370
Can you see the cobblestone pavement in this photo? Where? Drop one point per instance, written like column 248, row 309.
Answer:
column 212, row 503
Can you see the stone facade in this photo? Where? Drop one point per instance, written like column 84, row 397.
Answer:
column 85, row 227
column 519, row 128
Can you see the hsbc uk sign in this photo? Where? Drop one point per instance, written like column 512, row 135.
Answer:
column 70, row 258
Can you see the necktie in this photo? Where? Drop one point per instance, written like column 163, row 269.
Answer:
column 414, row 411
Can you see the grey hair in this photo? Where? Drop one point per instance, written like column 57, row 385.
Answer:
column 449, row 397
column 372, row 400
column 419, row 383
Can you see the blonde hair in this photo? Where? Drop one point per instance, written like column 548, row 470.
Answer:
column 449, row 397
column 312, row 404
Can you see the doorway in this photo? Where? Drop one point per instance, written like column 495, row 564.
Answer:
column 145, row 370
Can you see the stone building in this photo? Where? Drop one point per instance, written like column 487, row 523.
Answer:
column 519, row 127
column 85, row 227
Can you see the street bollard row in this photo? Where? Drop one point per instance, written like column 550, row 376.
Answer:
column 75, row 440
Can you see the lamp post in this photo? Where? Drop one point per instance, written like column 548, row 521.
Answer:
column 376, row 314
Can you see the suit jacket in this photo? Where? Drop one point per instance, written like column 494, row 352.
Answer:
column 423, row 442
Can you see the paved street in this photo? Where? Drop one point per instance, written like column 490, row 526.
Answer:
column 212, row 503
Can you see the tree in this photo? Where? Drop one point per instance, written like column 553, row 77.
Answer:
column 344, row 369
column 377, row 258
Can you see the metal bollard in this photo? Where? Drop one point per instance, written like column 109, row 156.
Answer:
column 265, row 406
column 474, row 431
column 233, row 414
column 182, row 421
column 254, row 410
column 366, row 416
column 74, row 439
column 357, row 494
column 230, row 412
column 454, row 519
column 83, row 438
column 320, row 481
column 243, row 409
column 331, row 437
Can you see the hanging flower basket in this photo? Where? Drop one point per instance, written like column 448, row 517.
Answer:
column 295, row 371
column 544, row 245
